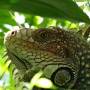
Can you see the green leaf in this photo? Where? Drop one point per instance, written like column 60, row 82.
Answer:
column 6, row 17
column 66, row 9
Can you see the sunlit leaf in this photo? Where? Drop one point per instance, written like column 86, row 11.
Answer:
column 44, row 83
column 35, row 78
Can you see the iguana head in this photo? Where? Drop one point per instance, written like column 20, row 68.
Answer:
column 52, row 50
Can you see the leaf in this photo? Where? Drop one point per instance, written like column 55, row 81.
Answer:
column 6, row 17
column 66, row 9
column 45, row 83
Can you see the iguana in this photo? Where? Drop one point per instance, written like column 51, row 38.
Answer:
column 63, row 55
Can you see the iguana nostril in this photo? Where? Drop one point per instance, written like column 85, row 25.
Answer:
column 13, row 33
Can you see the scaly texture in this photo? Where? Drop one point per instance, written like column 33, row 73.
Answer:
column 63, row 55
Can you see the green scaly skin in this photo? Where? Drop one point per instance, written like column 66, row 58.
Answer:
column 63, row 56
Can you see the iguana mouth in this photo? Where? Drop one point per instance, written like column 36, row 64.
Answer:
column 20, row 63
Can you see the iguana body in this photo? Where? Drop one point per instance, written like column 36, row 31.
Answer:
column 62, row 55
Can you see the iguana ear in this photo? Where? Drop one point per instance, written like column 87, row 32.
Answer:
column 63, row 77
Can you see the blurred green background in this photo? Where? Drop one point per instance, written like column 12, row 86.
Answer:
column 35, row 14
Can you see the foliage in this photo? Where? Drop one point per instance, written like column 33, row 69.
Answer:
column 66, row 9
column 60, row 10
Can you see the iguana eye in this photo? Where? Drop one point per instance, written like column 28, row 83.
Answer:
column 41, row 36
column 44, row 35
